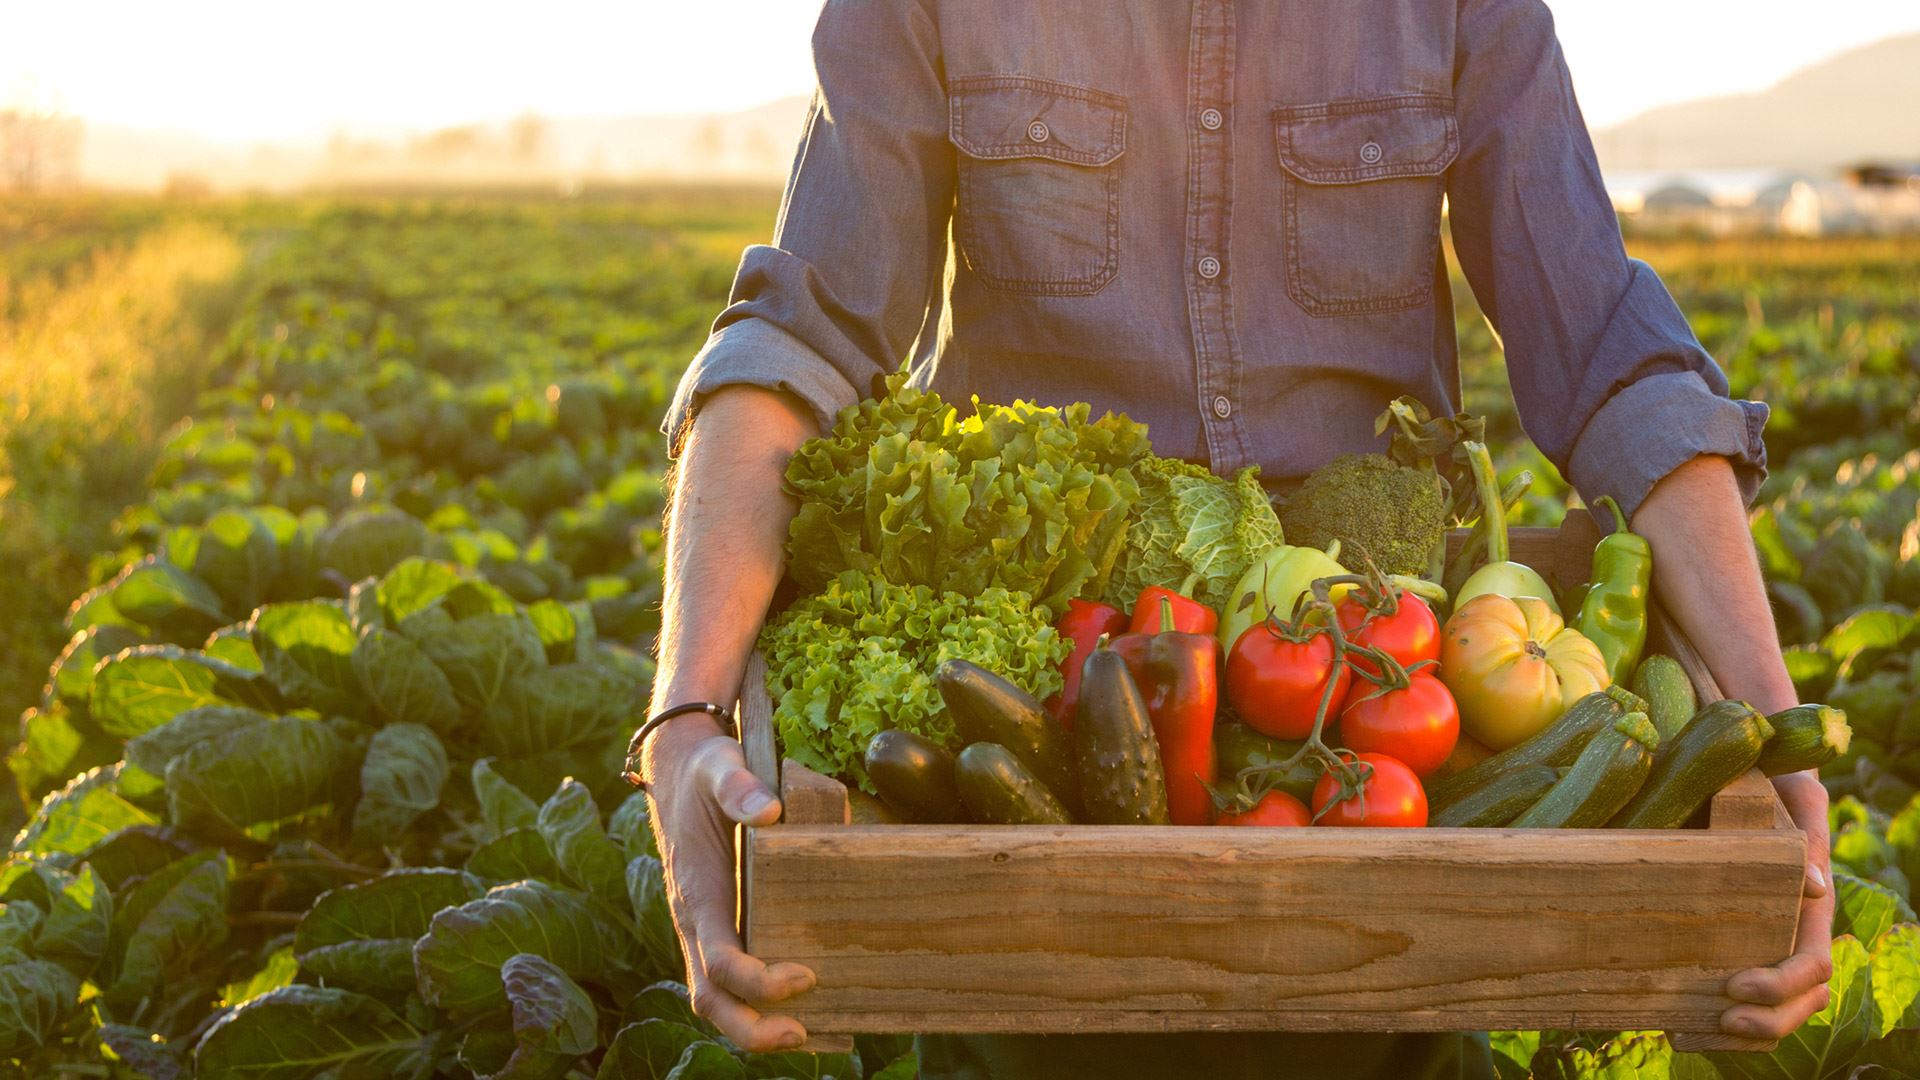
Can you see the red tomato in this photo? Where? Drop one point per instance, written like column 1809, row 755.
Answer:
column 1409, row 635
column 1418, row 724
column 1392, row 797
column 1276, row 685
column 1276, row 807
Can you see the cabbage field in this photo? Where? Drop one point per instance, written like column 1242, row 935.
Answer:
column 322, row 780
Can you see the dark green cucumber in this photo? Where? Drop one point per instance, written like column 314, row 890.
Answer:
column 1237, row 747
column 1499, row 800
column 1558, row 744
column 1600, row 781
column 914, row 776
column 1121, row 780
column 1805, row 737
column 988, row 708
column 1721, row 742
column 1668, row 692
column 999, row 789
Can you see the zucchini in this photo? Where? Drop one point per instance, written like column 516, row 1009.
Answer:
column 1601, row 780
column 913, row 776
column 1722, row 741
column 999, row 789
column 1499, row 800
column 1668, row 692
column 1805, row 737
column 988, row 708
column 1121, row 779
column 1559, row 743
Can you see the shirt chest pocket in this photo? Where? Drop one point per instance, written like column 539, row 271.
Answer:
column 1037, row 208
column 1363, row 182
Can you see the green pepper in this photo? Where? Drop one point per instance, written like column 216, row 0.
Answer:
column 1613, row 614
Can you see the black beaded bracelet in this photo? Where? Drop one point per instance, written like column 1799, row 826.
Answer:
column 654, row 722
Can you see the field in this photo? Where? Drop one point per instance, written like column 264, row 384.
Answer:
column 419, row 437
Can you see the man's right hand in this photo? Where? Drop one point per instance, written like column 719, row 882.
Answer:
column 701, row 789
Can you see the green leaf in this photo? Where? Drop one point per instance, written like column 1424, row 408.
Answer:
column 35, row 997
column 164, row 922
column 251, row 778
column 907, row 1067
column 414, row 585
column 278, row 971
column 796, row 1065
column 20, row 920
column 1825, row 1045
column 307, row 651
column 154, row 750
column 234, row 645
column 554, row 708
column 647, row 893
column 72, row 675
column 135, row 851
column 236, row 553
column 400, row 779
column 303, row 1032
column 515, row 855
column 149, row 1056
column 554, row 1021
column 1872, row 629
column 707, row 1061
column 402, row 685
column 458, row 961
column 361, row 936
column 482, row 656
column 504, row 806
column 1866, row 909
column 159, row 594
column 570, row 823
column 667, row 1000
column 557, row 629
column 77, row 926
column 368, row 543
column 80, row 815
column 54, row 749
column 647, row 1050
column 140, row 689
column 1895, row 966
column 632, row 826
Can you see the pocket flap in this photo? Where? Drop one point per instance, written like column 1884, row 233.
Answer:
column 1346, row 142
column 1011, row 116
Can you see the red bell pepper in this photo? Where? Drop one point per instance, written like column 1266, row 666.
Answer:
column 1084, row 624
column 1190, row 616
column 1178, row 672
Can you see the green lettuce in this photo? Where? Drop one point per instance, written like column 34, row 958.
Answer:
column 1018, row 497
column 1193, row 532
column 859, row 658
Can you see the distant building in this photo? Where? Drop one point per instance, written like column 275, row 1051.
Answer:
column 1872, row 197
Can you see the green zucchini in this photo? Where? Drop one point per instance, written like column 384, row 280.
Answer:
column 1499, row 800
column 1121, row 778
column 1721, row 742
column 914, row 776
column 1668, row 693
column 1805, row 737
column 1559, row 743
column 1601, row 780
column 988, row 708
column 999, row 789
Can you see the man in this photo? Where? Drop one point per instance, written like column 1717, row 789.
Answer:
column 1223, row 218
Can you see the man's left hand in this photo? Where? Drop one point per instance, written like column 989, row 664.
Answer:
column 1776, row 1000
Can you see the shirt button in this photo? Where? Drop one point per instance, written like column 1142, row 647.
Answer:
column 1211, row 119
column 1209, row 268
column 1370, row 153
column 1222, row 408
column 1038, row 132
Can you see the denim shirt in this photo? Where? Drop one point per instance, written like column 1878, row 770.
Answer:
column 1223, row 218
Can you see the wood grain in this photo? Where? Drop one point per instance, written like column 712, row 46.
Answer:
column 808, row 798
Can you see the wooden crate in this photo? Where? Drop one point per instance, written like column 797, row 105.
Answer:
column 1042, row 929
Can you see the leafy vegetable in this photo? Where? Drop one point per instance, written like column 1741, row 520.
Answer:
column 1192, row 532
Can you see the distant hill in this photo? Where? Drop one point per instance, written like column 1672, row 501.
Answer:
column 1864, row 103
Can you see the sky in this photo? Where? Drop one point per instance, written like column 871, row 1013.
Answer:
column 285, row 70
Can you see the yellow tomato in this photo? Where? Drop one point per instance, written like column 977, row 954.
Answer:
column 1514, row 667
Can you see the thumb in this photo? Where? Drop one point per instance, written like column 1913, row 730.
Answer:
column 741, row 795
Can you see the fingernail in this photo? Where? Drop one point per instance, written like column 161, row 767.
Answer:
column 1819, row 878
column 791, row 1040
column 755, row 802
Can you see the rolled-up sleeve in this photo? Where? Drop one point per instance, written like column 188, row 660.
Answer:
column 841, row 294
column 1610, row 381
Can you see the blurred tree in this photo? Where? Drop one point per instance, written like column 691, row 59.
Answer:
column 39, row 144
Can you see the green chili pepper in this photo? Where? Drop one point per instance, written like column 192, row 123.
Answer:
column 1613, row 614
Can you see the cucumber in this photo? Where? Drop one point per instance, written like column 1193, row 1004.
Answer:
column 1601, row 780
column 988, row 708
column 914, row 776
column 1805, row 737
column 999, row 789
column 1668, row 692
column 1722, row 741
column 1499, row 800
column 1559, row 743
column 1121, row 779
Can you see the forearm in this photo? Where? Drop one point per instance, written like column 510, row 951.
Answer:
column 1707, row 576
column 726, row 534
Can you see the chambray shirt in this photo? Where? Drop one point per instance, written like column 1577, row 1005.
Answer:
column 1221, row 217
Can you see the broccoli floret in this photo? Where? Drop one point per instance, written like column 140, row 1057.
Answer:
column 1374, row 507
